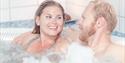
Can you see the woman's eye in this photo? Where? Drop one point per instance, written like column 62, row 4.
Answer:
column 59, row 17
column 48, row 17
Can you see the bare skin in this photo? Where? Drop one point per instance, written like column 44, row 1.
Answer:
column 51, row 25
column 25, row 38
column 107, row 51
column 113, row 51
column 71, row 34
column 31, row 42
column 98, row 36
column 38, row 47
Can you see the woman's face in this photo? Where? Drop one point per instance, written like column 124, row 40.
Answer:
column 51, row 21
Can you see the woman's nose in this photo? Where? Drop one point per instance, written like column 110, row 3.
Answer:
column 54, row 20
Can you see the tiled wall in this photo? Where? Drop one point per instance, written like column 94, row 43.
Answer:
column 24, row 9
column 76, row 7
column 17, row 9
column 11, row 10
column 119, row 6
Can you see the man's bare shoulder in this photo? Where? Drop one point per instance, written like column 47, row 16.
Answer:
column 118, row 52
column 118, row 48
column 114, row 54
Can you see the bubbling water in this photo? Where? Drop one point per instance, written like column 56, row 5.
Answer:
column 11, row 53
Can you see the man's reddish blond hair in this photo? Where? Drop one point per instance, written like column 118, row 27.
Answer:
column 104, row 9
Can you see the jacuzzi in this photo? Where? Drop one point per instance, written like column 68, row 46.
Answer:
column 11, row 29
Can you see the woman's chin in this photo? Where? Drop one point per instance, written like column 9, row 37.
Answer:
column 53, row 34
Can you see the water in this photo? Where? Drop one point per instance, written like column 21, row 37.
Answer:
column 10, row 53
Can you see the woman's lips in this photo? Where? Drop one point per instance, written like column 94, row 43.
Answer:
column 53, row 27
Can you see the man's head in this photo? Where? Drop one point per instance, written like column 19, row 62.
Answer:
column 98, row 16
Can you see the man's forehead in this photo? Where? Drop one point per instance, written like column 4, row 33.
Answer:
column 89, row 8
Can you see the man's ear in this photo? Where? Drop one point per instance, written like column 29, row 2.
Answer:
column 37, row 20
column 101, row 22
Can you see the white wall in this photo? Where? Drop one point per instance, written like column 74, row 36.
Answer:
column 76, row 7
column 17, row 9
column 25, row 9
column 4, row 10
column 119, row 6
column 11, row 10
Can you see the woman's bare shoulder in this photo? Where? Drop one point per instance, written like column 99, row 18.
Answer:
column 24, row 38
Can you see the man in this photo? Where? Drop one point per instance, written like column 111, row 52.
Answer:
column 96, row 25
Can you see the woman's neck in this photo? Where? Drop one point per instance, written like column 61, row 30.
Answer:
column 47, row 41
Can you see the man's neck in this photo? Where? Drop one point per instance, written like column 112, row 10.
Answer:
column 100, row 43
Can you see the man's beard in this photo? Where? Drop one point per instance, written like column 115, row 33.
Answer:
column 86, row 34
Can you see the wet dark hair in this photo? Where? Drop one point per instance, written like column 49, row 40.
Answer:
column 39, row 11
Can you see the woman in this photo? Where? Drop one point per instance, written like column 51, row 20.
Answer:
column 49, row 21
column 46, row 37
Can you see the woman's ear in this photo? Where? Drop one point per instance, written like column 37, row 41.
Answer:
column 100, row 23
column 37, row 20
